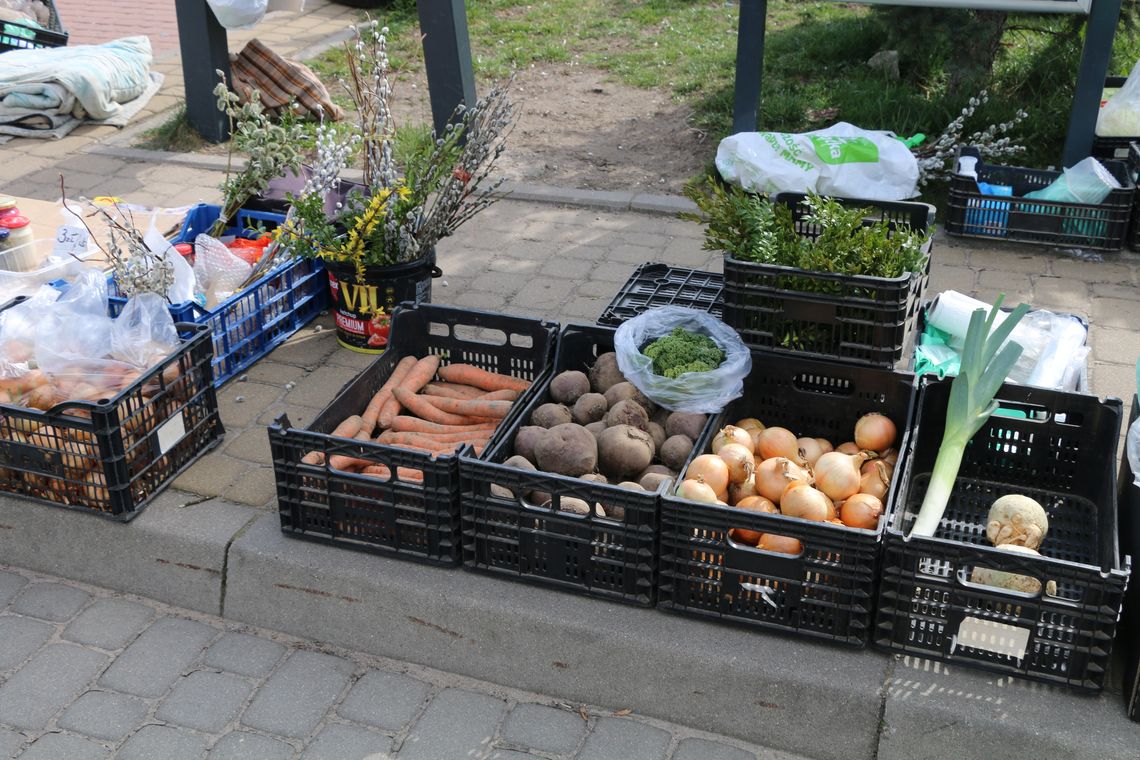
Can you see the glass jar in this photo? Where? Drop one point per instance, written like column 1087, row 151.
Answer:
column 8, row 206
column 19, row 229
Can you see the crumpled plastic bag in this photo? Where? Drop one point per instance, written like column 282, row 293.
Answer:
column 841, row 160
column 698, row 392
column 18, row 332
column 1120, row 116
column 240, row 14
column 144, row 333
column 218, row 271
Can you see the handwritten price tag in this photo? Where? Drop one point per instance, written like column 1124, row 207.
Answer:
column 69, row 241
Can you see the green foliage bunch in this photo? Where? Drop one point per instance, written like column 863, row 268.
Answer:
column 682, row 351
column 749, row 227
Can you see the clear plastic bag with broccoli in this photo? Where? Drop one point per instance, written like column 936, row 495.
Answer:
column 694, row 386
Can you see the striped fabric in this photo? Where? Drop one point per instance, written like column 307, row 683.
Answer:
column 280, row 83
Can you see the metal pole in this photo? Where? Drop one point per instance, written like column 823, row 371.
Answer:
column 447, row 58
column 1099, row 31
column 749, row 65
column 202, row 41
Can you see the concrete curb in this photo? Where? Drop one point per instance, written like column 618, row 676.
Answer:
column 769, row 689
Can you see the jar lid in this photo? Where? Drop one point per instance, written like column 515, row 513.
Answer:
column 7, row 201
column 184, row 248
column 15, row 221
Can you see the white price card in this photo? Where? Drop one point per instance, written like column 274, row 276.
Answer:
column 69, row 241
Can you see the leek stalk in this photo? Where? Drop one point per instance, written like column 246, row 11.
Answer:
column 983, row 370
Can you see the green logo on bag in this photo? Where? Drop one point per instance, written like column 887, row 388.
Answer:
column 845, row 150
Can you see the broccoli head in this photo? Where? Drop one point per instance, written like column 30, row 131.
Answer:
column 682, row 351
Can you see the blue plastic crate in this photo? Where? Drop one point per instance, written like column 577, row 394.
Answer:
column 250, row 324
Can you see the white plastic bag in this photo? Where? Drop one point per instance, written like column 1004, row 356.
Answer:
column 841, row 160
column 143, row 334
column 703, row 392
column 238, row 14
column 1120, row 116
column 182, row 289
column 218, row 271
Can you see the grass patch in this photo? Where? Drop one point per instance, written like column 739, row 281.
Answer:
column 175, row 135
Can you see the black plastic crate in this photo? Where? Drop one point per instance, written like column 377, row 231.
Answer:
column 404, row 516
column 1028, row 220
column 611, row 558
column 113, row 456
column 1115, row 148
column 18, row 36
column 851, row 318
column 1128, row 634
column 827, row 591
column 1055, row 450
column 1134, row 174
column 652, row 285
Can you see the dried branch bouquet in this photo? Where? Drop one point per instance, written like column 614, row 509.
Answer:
column 399, row 213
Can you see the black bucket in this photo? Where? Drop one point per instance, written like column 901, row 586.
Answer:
column 362, row 308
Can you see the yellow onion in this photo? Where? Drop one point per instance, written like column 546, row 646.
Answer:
column 801, row 500
column 740, row 462
column 731, row 434
column 709, row 469
column 861, row 511
column 837, row 474
column 695, row 490
column 773, row 475
column 824, row 445
column 777, row 442
column 739, row 491
column 877, row 481
column 850, row 447
column 773, row 542
column 750, row 423
column 754, row 504
column 810, row 450
column 875, row 432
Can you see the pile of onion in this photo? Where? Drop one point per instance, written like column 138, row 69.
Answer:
column 770, row 469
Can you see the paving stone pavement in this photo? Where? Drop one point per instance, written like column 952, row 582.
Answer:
column 153, row 681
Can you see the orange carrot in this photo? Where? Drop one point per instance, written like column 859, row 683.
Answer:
column 377, row 403
column 382, row 471
column 421, row 374
column 421, row 406
column 418, row 376
column 452, row 390
column 418, row 441
column 405, row 424
column 428, row 440
column 469, row 374
column 349, row 427
column 348, row 463
column 472, row 408
column 506, row 394
column 314, row 457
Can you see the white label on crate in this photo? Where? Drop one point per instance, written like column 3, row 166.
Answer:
column 991, row 636
column 69, row 241
column 170, row 433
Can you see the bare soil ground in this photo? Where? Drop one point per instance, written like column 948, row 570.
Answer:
column 576, row 129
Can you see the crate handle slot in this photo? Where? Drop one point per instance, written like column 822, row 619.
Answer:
column 743, row 559
column 489, row 336
column 823, row 385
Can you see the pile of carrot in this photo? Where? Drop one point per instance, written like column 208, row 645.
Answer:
column 430, row 408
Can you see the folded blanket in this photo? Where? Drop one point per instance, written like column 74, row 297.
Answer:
column 83, row 80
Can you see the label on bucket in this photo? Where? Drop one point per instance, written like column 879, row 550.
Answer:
column 362, row 311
